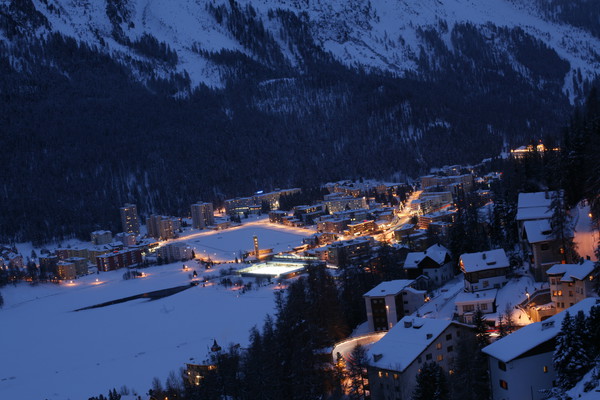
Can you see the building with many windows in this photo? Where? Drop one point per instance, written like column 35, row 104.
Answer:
column 101, row 237
column 520, row 364
column 161, row 227
column 118, row 259
column 389, row 301
column 395, row 360
column 202, row 215
column 484, row 270
column 571, row 283
column 175, row 252
column 129, row 219
column 543, row 247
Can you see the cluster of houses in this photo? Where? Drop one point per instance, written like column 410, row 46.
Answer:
column 435, row 207
column 520, row 364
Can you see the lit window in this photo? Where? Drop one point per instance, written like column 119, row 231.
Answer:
column 440, row 357
column 545, row 369
column 438, row 346
column 380, row 374
column 503, row 384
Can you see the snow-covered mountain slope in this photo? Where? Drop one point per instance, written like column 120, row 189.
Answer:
column 381, row 34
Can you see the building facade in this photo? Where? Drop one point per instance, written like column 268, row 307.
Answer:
column 118, row 259
column 202, row 215
column 484, row 270
column 571, row 283
column 129, row 219
column 390, row 301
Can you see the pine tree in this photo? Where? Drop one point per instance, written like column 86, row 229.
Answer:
column 431, row 383
column 571, row 360
column 481, row 329
column 593, row 332
column 470, row 380
column 1, row 300
column 560, row 223
column 508, row 319
column 501, row 326
column 357, row 364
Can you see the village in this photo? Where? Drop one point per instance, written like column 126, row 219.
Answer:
column 519, row 294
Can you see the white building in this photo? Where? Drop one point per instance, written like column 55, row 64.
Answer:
column 175, row 252
column 484, row 270
column 533, row 207
column 389, row 301
column 571, row 283
column 520, row 364
column 395, row 360
column 468, row 302
column 435, row 263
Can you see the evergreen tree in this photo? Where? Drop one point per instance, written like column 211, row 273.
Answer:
column 501, row 326
column 431, row 383
column 508, row 319
column 357, row 364
column 481, row 329
column 593, row 332
column 571, row 360
column 470, row 380
column 560, row 223
column 1, row 300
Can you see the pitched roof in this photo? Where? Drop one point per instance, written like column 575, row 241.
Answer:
column 405, row 341
column 532, row 206
column 533, row 335
column 483, row 296
column 473, row 262
column 538, row 231
column 572, row 271
column 388, row 288
column 436, row 252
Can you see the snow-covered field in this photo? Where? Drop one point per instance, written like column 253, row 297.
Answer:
column 227, row 244
column 51, row 352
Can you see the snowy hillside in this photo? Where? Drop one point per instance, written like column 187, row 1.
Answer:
column 379, row 34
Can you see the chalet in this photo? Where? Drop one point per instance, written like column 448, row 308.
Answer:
column 389, row 301
column 435, row 263
column 395, row 360
column 468, row 302
column 571, row 283
column 484, row 270
column 543, row 247
column 533, row 207
column 520, row 364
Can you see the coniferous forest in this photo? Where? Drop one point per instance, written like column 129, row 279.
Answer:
column 82, row 133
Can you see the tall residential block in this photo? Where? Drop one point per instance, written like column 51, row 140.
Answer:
column 202, row 215
column 129, row 219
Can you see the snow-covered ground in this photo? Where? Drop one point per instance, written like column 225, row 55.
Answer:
column 586, row 237
column 51, row 352
column 227, row 244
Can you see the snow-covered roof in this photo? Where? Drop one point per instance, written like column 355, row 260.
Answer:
column 405, row 341
column 532, row 206
column 536, row 199
column 533, row 335
column 538, row 231
column 388, row 288
column 572, row 271
column 437, row 253
column 484, row 296
column 473, row 262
